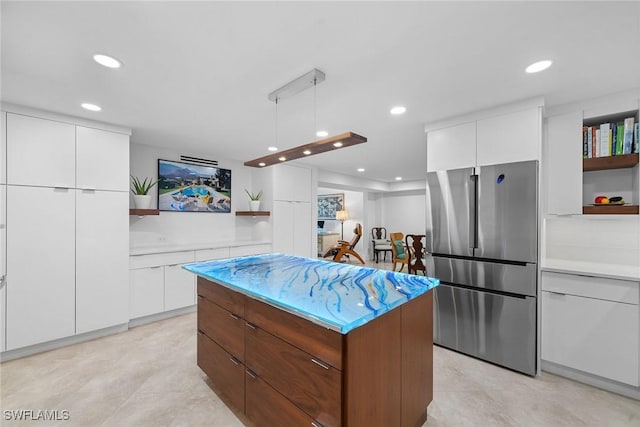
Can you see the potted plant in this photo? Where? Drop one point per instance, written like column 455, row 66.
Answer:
column 254, row 203
column 140, row 189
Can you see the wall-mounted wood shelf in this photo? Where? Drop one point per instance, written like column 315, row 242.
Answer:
column 253, row 213
column 611, row 162
column 611, row 210
column 144, row 212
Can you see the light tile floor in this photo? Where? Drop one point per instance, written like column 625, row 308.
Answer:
column 148, row 377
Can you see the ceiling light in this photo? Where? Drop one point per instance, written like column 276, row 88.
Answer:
column 322, row 133
column 337, row 144
column 360, row 169
column 398, row 178
column 261, row 164
column 306, row 152
column 90, row 107
column 272, row 148
column 398, row 110
column 107, row 61
column 538, row 66
column 282, row 158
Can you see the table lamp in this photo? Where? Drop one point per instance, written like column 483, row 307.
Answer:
column 342, row 217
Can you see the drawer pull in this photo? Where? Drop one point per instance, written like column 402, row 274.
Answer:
column 200, row 333
column 251, row 374
column 250, row 325
column 200, row 297
column 316, row 424
column 557, row 293
column 234, row 361
column 234, row 316
column 319, row 363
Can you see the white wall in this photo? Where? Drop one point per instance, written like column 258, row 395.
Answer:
column 194, row 227
column 403, row 211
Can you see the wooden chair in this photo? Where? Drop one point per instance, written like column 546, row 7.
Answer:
column 416, row 253
column 380, row 243
column 346, row 248
column 398, row 251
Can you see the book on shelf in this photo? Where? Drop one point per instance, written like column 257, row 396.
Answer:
column 614, row 138
column 585, row 146
column 605, row 148
column 620, row 139
column 637, row 138
column 594, row 141
column 628, row 136
column 589, row 142
column 598, row 144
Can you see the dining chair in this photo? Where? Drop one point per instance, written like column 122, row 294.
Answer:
column 380, row 243
column 398, row 251
column 416, row 253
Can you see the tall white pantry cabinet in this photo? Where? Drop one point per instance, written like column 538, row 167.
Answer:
column 67, row 223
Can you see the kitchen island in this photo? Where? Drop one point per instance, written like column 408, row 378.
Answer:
column 287, row 340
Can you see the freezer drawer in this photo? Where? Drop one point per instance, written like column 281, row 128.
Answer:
column 494, row 276
column 496, row 328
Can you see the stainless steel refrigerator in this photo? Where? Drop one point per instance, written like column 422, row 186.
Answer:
column 482, row 231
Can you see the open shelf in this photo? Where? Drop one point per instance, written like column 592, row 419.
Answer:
column 610, row 162
column 144, row 212
column 611, row 210
column 253, row 213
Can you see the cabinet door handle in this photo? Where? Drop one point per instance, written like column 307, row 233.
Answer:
column 3, row 281
column 319, row 363
column 200, row 333
column 251, row 373
column 250, row 325
column 234, row 361
column 200, row 297
column 234, row 316
column 557, row 293
column 316, row 424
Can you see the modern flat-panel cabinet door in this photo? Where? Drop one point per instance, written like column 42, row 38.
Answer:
column 102, row 159
column 302, row 230
column 179, row 287
column 3, row 263
column 40, row 265
column 452, row 148
column 3, row 148
column 102, row 259
column 146, row 291
column 40, row 152
column 292, row 183
column 509, row 138
column 283, row 218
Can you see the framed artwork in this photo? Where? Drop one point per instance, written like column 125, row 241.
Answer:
column 329, row 204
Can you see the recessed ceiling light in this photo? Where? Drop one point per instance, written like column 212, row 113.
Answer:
column 272, row 148
column 306, row 152
column 282, row 158
column 262, row 164
column 90, row 107
column 398, row 178
column 322, row 133
column 337, row 144
column 398, row 110
column 107, row 61
column 538, row 66
column 360, row 169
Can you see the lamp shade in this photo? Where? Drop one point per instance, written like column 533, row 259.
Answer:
column 341, row 215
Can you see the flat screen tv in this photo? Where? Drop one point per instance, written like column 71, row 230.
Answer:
column 188, row 187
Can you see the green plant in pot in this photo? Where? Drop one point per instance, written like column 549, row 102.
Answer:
column 254, row 202
column 140, row 189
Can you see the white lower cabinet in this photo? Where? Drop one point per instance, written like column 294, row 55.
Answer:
column 179, row 287
column 40, row 288
column 146, row 291
column 584, row 331
column 292, row 233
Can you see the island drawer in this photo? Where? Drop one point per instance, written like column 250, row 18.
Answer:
column 309, row 382
column 266, row 407
column 222, row 326
column 314, row 339
column 225, row 372
column 226, row 298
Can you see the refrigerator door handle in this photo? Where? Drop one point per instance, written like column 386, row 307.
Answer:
column 473, row 213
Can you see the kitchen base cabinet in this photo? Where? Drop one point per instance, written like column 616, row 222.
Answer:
column 178, row 287
column 300, row 373
column 146, row 292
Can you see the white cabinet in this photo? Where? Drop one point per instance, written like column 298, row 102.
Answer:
column 102, row 261
column 179, row 287
column 3, row 263
column 40, row 152
column 291, row 183
column 102, row 159
column 563, row 164
column 3, row 148
column 592, row 325
column 452, row 147
column 509, row 138
column 40, row 265
column 209, row 254
column 146, row 292
column 249, row 250
column 291, row 234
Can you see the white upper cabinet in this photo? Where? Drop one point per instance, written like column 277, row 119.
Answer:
column 102, row 159
column 508, row 138
column 563, row 164
column 3, row 149
column 451, row 148
column 40, row 152
column 291, row 183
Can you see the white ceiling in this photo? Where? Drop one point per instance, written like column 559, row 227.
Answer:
column 196, row 74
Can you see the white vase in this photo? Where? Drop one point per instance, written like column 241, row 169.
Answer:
column 142, row 201
column 254, row 205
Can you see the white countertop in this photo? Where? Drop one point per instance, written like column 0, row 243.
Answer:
column 610, row 271
column 160, row 247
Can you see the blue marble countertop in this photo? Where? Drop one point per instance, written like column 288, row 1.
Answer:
column 337, row 296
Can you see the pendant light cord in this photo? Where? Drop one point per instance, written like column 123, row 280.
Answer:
column 315, row 107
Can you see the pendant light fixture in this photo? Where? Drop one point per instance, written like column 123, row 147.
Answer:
column 330, row 143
